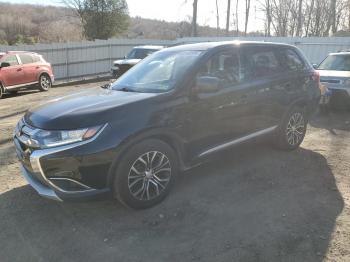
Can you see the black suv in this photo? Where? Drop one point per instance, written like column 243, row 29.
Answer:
column 168, row 113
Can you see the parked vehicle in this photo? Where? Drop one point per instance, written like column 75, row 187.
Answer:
column 335, row 78
column 169, row 113
column 20, row 70
column 135, row 56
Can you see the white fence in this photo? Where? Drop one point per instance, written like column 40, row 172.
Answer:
column 91, row 59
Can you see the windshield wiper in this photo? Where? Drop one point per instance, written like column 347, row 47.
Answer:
column 126, row 89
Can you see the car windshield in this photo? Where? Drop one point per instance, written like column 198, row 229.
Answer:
column 336, row 63
column 138, row 53
column 158, row 73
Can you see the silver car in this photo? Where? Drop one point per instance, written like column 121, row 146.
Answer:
column 335, row 77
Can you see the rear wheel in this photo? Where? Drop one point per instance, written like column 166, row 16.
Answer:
column 145, row 174
column 44, row 82
column 292, row 131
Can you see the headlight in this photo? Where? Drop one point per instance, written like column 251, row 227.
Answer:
column 45, row 138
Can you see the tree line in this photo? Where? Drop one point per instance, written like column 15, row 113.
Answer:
column 300, row 18
column 102, row 19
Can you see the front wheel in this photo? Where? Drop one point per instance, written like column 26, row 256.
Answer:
column 44, row 83
column 145, row 174
column 1, row 91
column 292, row 131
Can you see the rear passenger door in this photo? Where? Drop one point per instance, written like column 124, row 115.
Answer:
column 296, row 73
column 262, row 75
column 29, row 67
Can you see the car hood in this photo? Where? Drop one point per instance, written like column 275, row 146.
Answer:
column 332, row 73
column 127, row 61
column 89, row 108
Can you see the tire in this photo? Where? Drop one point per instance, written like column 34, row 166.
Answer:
column 145, row 174
column 1, row 91
column 291, row 132
column 44, row 82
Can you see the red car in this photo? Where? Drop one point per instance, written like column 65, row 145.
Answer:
column 24, row 69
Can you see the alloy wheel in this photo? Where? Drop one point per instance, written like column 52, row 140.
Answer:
column 295, row 129
column 149, row 175
column 45, row 82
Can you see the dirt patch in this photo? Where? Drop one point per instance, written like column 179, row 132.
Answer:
column 251, row 204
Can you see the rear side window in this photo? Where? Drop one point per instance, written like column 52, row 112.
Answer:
column 258, row 62
column 291, row 60
column 36, row 58
column 26, row 59
column 11, row 59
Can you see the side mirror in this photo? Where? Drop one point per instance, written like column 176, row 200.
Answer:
column 125, row 57
column 5, row 64
column 315, row 66
column 207, row 84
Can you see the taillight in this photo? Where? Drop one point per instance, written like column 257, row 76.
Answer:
column 316, row 77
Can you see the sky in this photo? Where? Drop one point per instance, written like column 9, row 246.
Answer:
column 179, row 10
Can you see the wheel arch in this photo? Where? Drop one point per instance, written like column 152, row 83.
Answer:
column 43, row 73
column 167, row 137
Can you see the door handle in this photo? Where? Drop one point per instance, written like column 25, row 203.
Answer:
column 19, row 69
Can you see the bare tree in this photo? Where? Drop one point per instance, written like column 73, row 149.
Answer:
column 217, row 18
column 300, row 18
column 228, row 14
column 194, row 18
column 247, row 11
column 237, row 21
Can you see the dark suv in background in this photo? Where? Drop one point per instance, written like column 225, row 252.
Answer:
column 170, row 112
column 20, row 69
column 135, row 56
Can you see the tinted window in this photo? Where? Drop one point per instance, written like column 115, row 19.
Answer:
column 11, row 59
column 26, row 59
column 292, row 60
column 258, row 62
column 224, row 66
column 336, row 62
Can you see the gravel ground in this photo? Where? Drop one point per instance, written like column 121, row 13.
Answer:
column 251, row 204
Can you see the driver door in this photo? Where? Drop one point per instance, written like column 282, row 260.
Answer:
column 12, row 75
column 218, row 117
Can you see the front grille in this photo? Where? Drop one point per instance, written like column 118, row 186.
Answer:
column 123, row 68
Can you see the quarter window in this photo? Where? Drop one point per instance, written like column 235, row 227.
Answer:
column 26, row 59
column 36, row 58
column 11, row 59
column 224, row 66
column 292, row 60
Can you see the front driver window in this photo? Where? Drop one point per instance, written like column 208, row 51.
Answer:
column 11, row 59
column 224, row 66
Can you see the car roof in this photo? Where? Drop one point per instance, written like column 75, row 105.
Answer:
column 152, row 47
column 20, row 52
column 210, row 45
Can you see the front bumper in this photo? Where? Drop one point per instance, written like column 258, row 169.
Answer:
column 42, row 190
column 71, row 172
